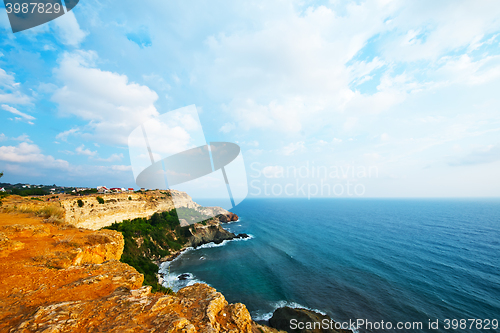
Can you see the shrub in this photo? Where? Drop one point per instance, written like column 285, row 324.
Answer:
column 158, row 236
column 80, row 203
column 129, row 197
column 100, row 200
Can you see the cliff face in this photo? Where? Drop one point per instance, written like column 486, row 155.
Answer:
column 55, row 278
column 212, row 232
column 122, row 206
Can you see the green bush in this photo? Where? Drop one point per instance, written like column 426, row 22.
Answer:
column 129, row 197
column 158, row 235
column 28, row 192
column 80, row 203
column 100, row 200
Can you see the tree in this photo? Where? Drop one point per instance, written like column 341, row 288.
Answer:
column 1, row 174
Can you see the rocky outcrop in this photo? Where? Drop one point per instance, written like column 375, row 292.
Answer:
column 303, row 321
column 198, row 308
column 211, row 233
column 227, row 217
column 117, row 207
column 65, row 279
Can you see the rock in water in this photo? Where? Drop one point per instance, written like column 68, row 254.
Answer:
column 183, row 276
column 228, row 217
column 241, row 236
column 303, row 321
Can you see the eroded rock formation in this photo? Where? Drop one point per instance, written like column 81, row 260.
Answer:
column 122, row 206
column 57, row 278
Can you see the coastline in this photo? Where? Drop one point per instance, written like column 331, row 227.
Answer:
column 55, row 277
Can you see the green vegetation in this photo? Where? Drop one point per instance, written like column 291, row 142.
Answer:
column 80, row 203
column 37, row 199
column 129, row 197
column 28, row 192
column 191, row 215
column 146, row 239
column 84, row 192
column 100, row 200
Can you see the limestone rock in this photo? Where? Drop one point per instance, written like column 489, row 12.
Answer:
column 198, row 308
column 122, row 206
column 69, row 280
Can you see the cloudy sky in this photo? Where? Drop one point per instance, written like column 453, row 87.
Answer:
column 398, row 98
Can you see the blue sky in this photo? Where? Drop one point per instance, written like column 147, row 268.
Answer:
column 409, row 89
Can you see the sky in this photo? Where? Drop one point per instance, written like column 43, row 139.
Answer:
column 325, row 98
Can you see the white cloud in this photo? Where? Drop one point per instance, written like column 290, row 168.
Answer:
column 255, row 152
column 422, row 31
column 64, row 135
column 111, row 104
column 10, row 90
column 294, row 148
column 227, row 127
column 479, row 155
column 121, row 167
column 112, row 158
column 87, row 152
column 68, row 30
column 28, row 153
column 3, row 137
column 253, row 143
column 25, row 117
column 23, row 138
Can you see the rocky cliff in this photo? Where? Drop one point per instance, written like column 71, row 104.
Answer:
column 117, row 207
column 58, row 278
column 211, row 232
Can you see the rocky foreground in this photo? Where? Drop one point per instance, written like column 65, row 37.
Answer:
column 58, row 278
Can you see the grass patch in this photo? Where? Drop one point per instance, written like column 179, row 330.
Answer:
column 52, row 213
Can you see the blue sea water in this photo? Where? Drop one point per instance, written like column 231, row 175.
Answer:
column 391, row 260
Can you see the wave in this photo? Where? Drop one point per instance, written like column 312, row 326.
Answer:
column 265, row 316
column 224, row 242
column 260, row 316
column 204, row 246
column 231, row 222
column 172, row 281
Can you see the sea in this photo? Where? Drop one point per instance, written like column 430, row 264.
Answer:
column 418, row 265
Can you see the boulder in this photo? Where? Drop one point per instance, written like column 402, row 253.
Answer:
column 303, row 321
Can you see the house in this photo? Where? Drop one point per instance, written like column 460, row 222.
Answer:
column 115, row 189
column 131, row 189
column 2, row 189
column 102, row 189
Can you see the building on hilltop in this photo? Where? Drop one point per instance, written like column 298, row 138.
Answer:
column 102, row 189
